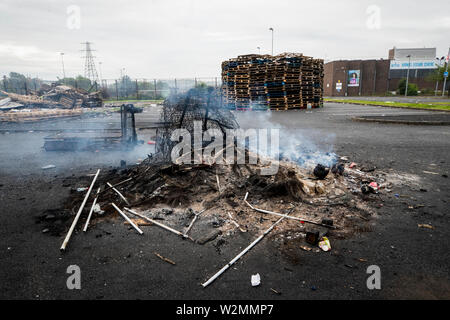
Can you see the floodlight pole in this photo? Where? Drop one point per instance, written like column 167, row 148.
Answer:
column 446, row 70
column 407, row 75
column 271, row 29
column 64, row 71
column 439, row 64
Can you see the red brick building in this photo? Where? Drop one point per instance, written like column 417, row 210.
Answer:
column 376, row 77
column 370, row 77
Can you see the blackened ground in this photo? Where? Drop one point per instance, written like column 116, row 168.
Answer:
column 116, row 262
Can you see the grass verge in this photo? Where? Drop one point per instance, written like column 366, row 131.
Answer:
column 442, row 106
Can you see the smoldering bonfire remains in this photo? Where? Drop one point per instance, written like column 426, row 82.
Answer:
column 206, row 201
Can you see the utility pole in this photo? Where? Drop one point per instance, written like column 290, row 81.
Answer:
column 137, row 90
column 122, row 78
column 407, row 74
column 439, row 64
column 446, row 72
column 271, row 29
column 64, row 71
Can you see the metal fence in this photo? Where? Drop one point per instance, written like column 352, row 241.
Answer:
column 152, row 89
column 124, row 88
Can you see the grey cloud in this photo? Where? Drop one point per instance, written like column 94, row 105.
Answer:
column 188, row 38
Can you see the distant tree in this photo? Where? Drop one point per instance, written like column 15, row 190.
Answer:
column 201, row 84
column 412, row 88
column 437, row 74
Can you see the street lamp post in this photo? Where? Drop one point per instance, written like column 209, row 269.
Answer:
column 259, row 50
column 100, row 69
column 437, row 81
column 407, row 74
column 271, row 29
column 446, row 73
column 64, row 71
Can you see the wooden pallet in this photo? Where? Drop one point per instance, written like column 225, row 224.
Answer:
column 277, row 82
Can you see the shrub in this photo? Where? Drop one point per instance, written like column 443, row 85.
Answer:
column 412, row 88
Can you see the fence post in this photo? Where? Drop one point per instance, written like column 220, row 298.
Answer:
column 154, row 84
column 25, row 87
column 215, row 79
column 4, row 84
column 137, row 90
column 117, row 91
column 195, row 82
column 176, row 89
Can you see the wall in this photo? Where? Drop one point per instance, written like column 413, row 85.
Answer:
column 373, row 77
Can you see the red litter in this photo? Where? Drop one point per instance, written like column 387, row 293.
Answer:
column 151, row 142
column 374, row 185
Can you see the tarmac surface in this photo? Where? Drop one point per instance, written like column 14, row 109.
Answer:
column 117, row 263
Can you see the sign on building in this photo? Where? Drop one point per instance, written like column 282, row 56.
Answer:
column 353, row 78
column 419, row 64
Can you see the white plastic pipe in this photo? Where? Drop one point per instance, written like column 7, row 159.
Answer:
column 74, row 223
column 128, row 219
column 90, row 212
column 214, row 277
column 157, row 223
column 192, row 222
column 118, row 192
column 285, row 215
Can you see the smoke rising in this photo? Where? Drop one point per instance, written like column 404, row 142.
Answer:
column 305, row 146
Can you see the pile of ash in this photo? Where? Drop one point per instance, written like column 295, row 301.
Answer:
column 175, row 194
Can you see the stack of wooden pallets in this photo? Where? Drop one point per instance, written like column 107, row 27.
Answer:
column 282, row 82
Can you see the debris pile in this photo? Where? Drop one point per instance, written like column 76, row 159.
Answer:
column 285, row 81
column 47, row 104
column 31, row 115
column 211, row 201
column 175, row 192
column 69, row 97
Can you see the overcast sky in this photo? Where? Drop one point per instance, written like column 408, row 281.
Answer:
column 190, row 38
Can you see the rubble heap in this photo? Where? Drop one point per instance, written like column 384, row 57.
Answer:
column 285, row 81
column 61, row 97
column 47, row 103
column 207, row 202
column 69, row 97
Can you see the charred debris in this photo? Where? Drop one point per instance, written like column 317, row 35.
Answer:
column 49, row 102
column 297, row 208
